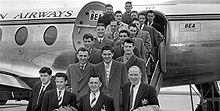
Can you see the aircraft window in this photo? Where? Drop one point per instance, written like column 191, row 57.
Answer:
column 50, row 35
column 0, row 34
column 21, row 35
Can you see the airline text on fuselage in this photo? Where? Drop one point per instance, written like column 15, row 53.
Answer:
column 37, row 15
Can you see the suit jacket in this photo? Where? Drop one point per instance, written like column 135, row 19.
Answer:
column 158, row 27
column 146, row 95
column 134, row 60
column 114, row 37
column 103, row 101
column 156, row 39
column 95, row 56
column 78, row 79
column 105, row 42
column 145, row 36
column 32, row 105
column 139, row 43
column 119, row 51
column 50, row 100
column 118, row 76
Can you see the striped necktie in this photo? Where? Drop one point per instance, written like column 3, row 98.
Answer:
column 59, row 98
column 93, row 100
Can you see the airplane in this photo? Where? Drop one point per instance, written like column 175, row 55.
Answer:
column 29, row 40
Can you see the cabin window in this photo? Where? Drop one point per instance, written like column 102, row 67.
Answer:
column 21, row 35
column 0, row 34
column 50, row 35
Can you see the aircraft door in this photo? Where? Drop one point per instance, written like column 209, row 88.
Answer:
column 86, row 22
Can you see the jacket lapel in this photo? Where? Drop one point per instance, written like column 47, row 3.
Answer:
column 113, row 69
column 139, row 95
column 99, row 103
column 130, row 62
column 85, row 72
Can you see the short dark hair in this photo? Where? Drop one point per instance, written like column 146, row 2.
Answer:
column 142, row 14
column 108, row 5
column 128, row 2
column 87, row 36
column 135, row 19
column 60, row 74
column 128, row 40
column 100, row 24
column 107, row 47
column 125, row 31
column 118, row 11
column 150, row 11
column 132, row 25
column 134, row 11
column 45, row 70
column 96, row 76
column 83, row 49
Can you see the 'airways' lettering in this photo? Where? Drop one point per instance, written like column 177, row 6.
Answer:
column 3, row 16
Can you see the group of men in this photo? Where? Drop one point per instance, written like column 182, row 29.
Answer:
column 108, row 73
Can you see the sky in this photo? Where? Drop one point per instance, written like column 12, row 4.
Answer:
column 51, row 4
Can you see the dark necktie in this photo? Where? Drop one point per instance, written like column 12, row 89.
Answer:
column 81, row 68
column 131, row 96
column 40, row 93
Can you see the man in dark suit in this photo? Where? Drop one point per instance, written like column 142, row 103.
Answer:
column 118, row 49
column 59, row 97
column 156, row 36
column 144, row 35
column 138, row 42
column 96, row 100
column 150, row 21
column 101, row 40
column 78, row 73
column 40, row 87
column 138, row 96
column 130, row 59
column 113, row 74
column 95, row 54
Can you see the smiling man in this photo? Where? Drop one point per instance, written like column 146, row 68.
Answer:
column 136, row 95
column 112, row 73
column 79, row 73
column 95, row 100
column 101, row 40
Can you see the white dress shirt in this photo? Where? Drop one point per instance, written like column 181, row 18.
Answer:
column 136, row 87
column 61, row 95
column 94, row 95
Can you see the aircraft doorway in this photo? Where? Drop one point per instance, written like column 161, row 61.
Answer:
column 162, row 20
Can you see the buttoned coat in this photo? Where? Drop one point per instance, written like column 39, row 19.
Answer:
column 50, row 100
column 118, row 76
column 78, row 79
column 134, row 60
column 32, row 105
column 146, row 95
column 104, row 42
column 102, row 102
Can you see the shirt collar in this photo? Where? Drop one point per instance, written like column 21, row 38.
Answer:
column 100, row 38
column 109, row 63
column 62, row 91
column 96, row 94
column 45, row 85
column 137, row 85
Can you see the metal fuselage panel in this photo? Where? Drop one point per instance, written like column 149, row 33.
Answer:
column 193, row 51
